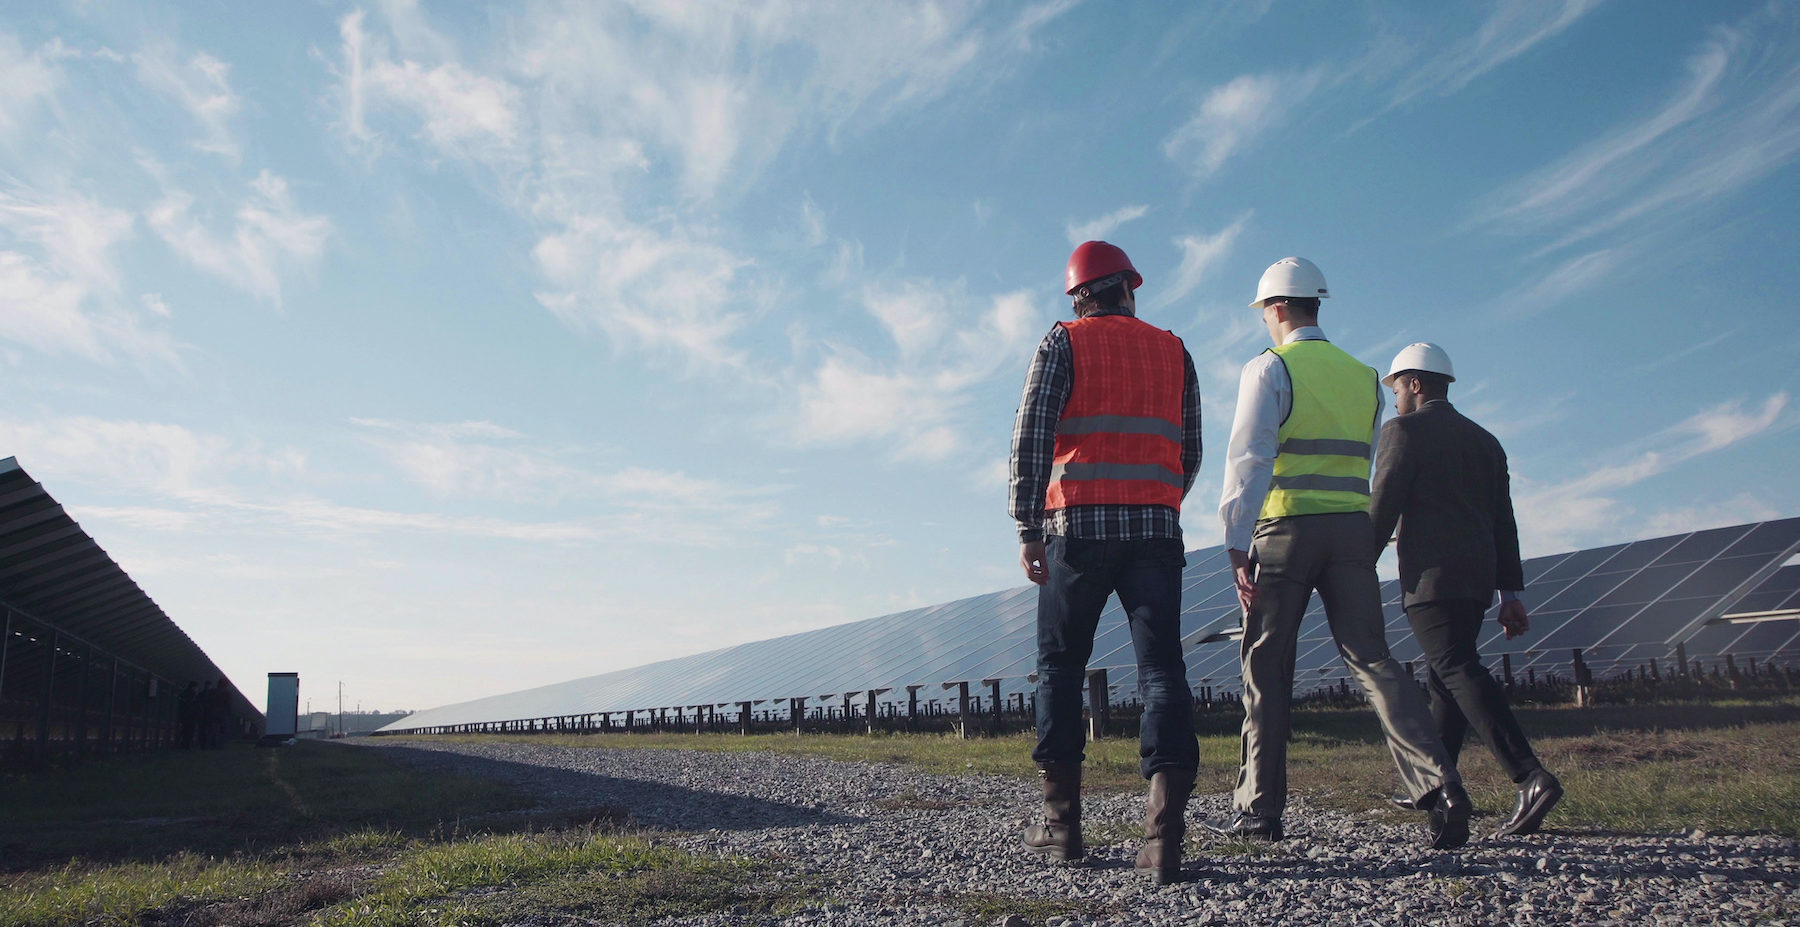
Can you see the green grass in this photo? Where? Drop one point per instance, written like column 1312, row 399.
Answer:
column 118, row 894
column 333, row 834
column 499, row 878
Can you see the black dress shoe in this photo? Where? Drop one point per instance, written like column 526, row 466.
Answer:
column 1404, row 803
column 1537, row 795
column 1247, row 826
column 1450, row 808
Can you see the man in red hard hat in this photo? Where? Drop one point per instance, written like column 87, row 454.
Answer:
column 1106, row 444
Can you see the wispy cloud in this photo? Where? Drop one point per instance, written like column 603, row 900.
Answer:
column 211, row 482
column 1692, row 349
column 1096, row 229
column 1567, row 279
column 461, row 112
column 482, row 460
column 1199, row 255
column 53, row 313
column 135, row 457
column 26, row 79
column 812, row 220
column 59, row 283
column 831, row 555
column 270, row 234
column 473, row 460
column 1512, row 28
column 1234, row 115
column 76, row 234
column 413, row 32
column 582, row 102
column 1022, row 32
column 1569, row 513
column 201, row 85
column 917, row 400
column 665, row 288
column 1736, row 510
column 1733, row 120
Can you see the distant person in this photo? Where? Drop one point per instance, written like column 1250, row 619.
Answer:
column 1296, row 514
column 187, row 713
column 1442, row 480
column 1106, row 444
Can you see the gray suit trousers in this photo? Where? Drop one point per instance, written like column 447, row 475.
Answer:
column 1334, row 554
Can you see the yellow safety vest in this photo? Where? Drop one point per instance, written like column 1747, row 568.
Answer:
column 1322, row 464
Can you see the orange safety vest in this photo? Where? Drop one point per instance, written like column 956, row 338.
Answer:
column 1119, row 439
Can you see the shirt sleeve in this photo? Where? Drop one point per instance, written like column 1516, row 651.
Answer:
column 1250, row 454
column 1047, row 387
column 1190, row 426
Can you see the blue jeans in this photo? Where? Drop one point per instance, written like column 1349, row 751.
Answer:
column 1146, row 574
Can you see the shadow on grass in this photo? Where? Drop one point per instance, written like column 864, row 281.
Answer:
column 312, row 797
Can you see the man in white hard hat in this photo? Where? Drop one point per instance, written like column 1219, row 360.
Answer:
column 1106, row 444
column 1442, row 480
column 1296, row 514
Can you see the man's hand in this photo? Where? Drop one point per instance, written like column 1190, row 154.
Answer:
column 1243, row 572
column 1514, row 619
column 1031, row 557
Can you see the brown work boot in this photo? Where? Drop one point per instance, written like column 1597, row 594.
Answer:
column 1059, row 837
column 1165, row 824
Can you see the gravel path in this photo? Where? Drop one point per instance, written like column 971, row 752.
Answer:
column 887, row 840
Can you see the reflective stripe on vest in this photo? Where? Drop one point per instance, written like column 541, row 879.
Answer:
column 1323, row 462
column 1119, row 439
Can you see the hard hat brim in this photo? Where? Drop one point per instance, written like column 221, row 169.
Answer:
column 1390, row 378
column 1258, row 304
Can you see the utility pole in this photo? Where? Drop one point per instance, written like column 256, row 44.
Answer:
column 340, row 708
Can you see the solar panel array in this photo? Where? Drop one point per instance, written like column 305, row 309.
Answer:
column 53, row 572
column 1622, row 605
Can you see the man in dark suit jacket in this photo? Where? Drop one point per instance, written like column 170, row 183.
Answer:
column 1442, row 480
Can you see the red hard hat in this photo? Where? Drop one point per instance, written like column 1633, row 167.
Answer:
column 1095, row 259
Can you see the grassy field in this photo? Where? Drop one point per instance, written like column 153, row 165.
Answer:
column 333, row 834
column 1630, row 769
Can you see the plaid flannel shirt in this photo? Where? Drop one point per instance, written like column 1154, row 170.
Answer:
column 1047, row 389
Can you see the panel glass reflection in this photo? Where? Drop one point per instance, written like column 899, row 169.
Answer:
column 1767, row 538
column 1703, row 545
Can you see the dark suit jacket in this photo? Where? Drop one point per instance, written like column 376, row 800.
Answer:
column 1442, row 479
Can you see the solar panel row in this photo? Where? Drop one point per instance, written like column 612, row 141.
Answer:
column 1621, row 605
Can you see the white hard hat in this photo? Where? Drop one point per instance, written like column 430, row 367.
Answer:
column 1422, row 356
column 1291, row 276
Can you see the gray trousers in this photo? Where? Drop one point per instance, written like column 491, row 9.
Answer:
column 1334, row 554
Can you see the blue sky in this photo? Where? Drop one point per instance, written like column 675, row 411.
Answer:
column 448, row 350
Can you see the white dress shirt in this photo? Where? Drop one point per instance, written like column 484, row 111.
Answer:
column 1265, row 396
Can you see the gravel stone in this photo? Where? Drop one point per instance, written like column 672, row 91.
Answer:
column 894, row 847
